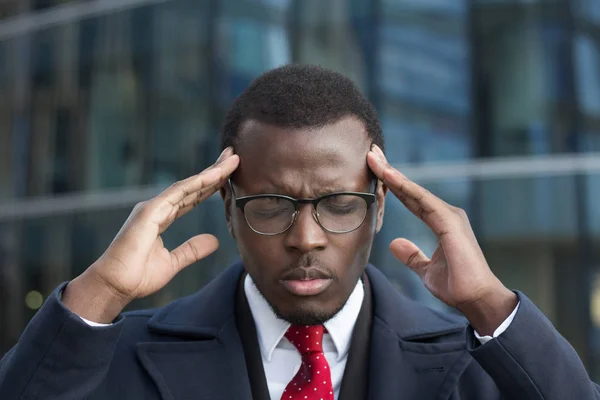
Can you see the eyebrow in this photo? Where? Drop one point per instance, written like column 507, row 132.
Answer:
column 331, row 189
column 318, row 193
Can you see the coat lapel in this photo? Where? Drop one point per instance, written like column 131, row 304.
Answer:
column 416, row 353
column 198, row 353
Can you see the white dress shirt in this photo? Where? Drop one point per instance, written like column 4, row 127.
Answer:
column 281, row 360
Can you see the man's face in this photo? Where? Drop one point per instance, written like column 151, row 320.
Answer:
column 304, row 163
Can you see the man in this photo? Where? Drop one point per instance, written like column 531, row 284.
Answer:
column 303, row 177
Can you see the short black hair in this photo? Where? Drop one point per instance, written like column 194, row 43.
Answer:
column 300, row 96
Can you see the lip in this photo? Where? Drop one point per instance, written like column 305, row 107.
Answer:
column 306, row 287
column 305, row 274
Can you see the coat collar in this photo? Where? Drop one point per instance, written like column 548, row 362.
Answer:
column 203, row 314
column 407, row 318
column 200, row 352
column 409, row 354
column 415, row 352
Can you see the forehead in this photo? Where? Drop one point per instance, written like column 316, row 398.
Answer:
column 303, row 161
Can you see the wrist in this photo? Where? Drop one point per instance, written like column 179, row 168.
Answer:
column 488, row 312
column 89, row 298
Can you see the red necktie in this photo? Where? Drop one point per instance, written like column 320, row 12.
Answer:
column 313, row 380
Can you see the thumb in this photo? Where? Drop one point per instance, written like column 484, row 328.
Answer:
column 193, row 250
column 410, row 255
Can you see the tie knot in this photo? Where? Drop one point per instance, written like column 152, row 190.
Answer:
column 306, row 338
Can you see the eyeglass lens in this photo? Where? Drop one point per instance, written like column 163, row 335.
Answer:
column 272, row 215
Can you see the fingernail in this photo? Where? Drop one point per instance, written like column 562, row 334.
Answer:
column 381, row 155
column 227, row 152
column 378, row 150
column 377, row 155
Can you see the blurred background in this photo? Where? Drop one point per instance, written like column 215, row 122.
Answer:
column 494, row 105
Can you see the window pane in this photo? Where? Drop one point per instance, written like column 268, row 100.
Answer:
column 424, row 56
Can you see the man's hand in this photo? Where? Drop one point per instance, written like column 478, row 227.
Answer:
column 136, row 264
column 457, row 273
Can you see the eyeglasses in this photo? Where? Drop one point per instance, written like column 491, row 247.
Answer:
column 272, row 214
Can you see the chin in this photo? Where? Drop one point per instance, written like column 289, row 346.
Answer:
column 306, row 316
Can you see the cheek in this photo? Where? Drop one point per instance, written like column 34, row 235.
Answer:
column 365, row 239
column 352, row 251
column 262, row 255
column 372, row 219
column 363, row 236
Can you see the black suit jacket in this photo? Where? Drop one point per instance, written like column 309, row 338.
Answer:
column 191, row 349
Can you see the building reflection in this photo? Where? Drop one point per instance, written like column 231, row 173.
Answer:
column 123, row 98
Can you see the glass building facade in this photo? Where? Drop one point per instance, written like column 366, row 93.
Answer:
column 494, row 105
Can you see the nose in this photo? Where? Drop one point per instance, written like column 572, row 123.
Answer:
column 306, row 234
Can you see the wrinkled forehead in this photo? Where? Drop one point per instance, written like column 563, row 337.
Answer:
column 303, row 161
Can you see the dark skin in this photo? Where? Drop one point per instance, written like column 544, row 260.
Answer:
column 304, row 163
column 301, row 163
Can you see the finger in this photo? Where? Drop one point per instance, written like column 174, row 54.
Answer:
column 162, row 211
column 409, row 254
column 189, row 203
column 193, row 250
column 398, row 183
column 227, row 152
column 417, row 199
column 439, row 223
column 210, row 176
column 194, row 199
column 179, row 190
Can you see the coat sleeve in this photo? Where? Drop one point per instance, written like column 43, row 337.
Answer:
column 532, row 360
column 58, row 355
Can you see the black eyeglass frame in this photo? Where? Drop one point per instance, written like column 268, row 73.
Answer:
column 240, row 202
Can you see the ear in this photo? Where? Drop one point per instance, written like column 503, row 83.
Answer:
column 380, row 194
column 225, row 192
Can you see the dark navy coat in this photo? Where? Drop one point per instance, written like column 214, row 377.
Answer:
column 191, row 349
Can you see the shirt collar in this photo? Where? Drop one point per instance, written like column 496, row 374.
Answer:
column 270, row 329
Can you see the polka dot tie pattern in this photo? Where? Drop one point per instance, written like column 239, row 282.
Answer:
column 313, row 380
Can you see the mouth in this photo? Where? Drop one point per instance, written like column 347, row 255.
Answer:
column 306, row 282
column 309, row 287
